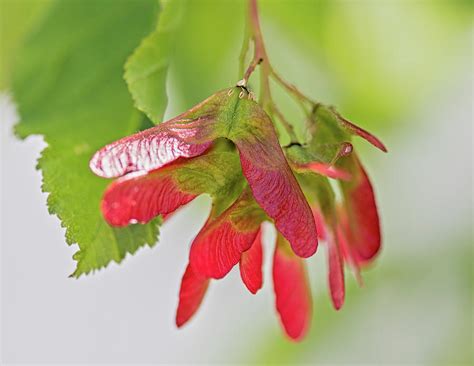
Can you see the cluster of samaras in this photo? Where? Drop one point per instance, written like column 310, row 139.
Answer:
column 227, row 147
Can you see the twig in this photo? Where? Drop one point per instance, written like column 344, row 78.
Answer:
column 288, row 126
column 260, row 57
column 292, row 89
column 244, row 50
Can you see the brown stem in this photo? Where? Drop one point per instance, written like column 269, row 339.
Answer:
column 284, row 122
column 260, row 53
column 245, row 49
column 292, row 89
column 260, row 57
column 300, row 98
column 250, row 70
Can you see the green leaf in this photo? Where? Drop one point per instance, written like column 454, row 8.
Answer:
column 207, row 48
column 16, row 18
column 69, row 88
column 147, row 68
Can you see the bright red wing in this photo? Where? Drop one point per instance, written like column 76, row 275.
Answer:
column 219, row 245
column 327, row 170
column 278, row 193
column 320, row 224
column 362, row 133
column 347, row 252
column 327, row 232
column 292, row 292
column 216, row 250
column 271, row 179
column 361, row 211
column 141, row 198
column 251, row 265
column 192, row 291
column 336, row 272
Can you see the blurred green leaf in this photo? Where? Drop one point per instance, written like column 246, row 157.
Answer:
column 377, row 60
column 16, row 18
column 69, row 88
column 207, row 48
column 146, row 70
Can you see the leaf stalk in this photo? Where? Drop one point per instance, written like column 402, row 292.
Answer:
column 260, row 58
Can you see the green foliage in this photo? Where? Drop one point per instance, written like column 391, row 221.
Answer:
column 207, row 48
column 16, row 18
column 69, row 88
column 146, row 70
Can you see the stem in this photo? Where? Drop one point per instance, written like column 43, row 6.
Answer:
column 260, row 53
column 284, row 122
column 245, row 49
column 292, row 89
column 260, row 57
column 300, row 98
column 250, row 70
